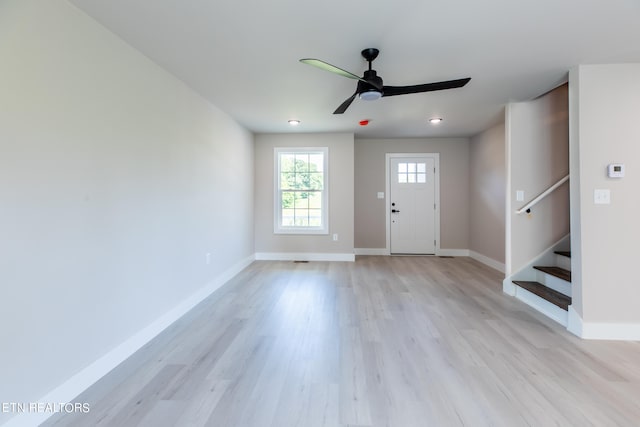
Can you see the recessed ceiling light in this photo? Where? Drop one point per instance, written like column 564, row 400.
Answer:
column 294, row 122
column 435, row 120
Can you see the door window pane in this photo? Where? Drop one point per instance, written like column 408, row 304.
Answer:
column 411, row 173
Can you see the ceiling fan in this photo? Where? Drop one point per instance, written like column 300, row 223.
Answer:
column 370, row 85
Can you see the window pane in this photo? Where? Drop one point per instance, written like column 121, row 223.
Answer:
column 402, row 167
column 422, row 167
column 302, row 181
column 287, row 217
column 422, row 178
column 315, row 217
column 287, row 181
column 315, row 200
column 411, row 167
column 301, row 201
column 316, row 181
column 402, row 178
column 316, row 163
column 302, row 217
column 286, row 162
column 302, row 163
column 412, row 177
column 287, row 199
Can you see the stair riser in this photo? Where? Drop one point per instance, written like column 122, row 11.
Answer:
column 543, row 306
column 554, row 283
column 563, row 262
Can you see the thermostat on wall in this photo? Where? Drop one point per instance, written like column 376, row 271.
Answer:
column 616, row 170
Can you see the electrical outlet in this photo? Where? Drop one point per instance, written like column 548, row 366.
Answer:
column 335, row 237
column 207, row 258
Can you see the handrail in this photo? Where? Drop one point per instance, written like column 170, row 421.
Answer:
column 527, row 208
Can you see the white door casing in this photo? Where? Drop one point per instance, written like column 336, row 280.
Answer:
column 413, row 212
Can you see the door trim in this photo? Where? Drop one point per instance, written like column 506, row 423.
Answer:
column 436, row 158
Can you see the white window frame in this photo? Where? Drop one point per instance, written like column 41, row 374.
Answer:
column 278, row 228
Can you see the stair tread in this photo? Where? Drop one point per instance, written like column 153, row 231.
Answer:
column 555, row 271
column 554, row 297
column 564, row 253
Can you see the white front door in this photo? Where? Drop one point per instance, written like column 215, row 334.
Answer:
column 412, row 205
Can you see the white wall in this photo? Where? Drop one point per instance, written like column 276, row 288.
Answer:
column 605, row 102
column 115, row 180
column 268, row 244
column 537, row 135
column 487, row 186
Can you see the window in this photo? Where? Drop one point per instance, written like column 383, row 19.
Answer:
column 410, row 173
column 301, row 190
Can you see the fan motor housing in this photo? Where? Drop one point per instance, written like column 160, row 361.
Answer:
column 372, row 76
column 367, row 91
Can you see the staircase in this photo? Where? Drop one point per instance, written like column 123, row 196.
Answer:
column 550, row 292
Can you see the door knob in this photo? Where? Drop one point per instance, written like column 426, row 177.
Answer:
column 395, row 211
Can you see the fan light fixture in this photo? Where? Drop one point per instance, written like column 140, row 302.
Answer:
column 294, row 122
column 435, row 120
column 370, row 95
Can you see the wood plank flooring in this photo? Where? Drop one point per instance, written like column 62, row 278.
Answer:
column 384, row 341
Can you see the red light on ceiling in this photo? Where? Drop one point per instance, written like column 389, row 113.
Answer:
column 364, row 122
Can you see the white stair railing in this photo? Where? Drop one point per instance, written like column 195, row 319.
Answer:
column 527, row 208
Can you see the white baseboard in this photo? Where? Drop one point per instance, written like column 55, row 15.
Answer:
column 487, row 261
column 372, row 251
column 385, row 251
column 442, row 252
column 574, row 323
column 304, row 256
column 75, row 385
column 508, row 287
column 602, row 331
column 453, row 252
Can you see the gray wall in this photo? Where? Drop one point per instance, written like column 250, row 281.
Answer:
column 605, row 102
column 370, row 227
column 537, row 157
column 487, row 192
column 115, row 180
column 340, row 195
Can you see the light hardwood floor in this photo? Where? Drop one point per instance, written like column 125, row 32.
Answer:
column 384, row 341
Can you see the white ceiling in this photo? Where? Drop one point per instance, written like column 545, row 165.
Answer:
column 243, row 55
